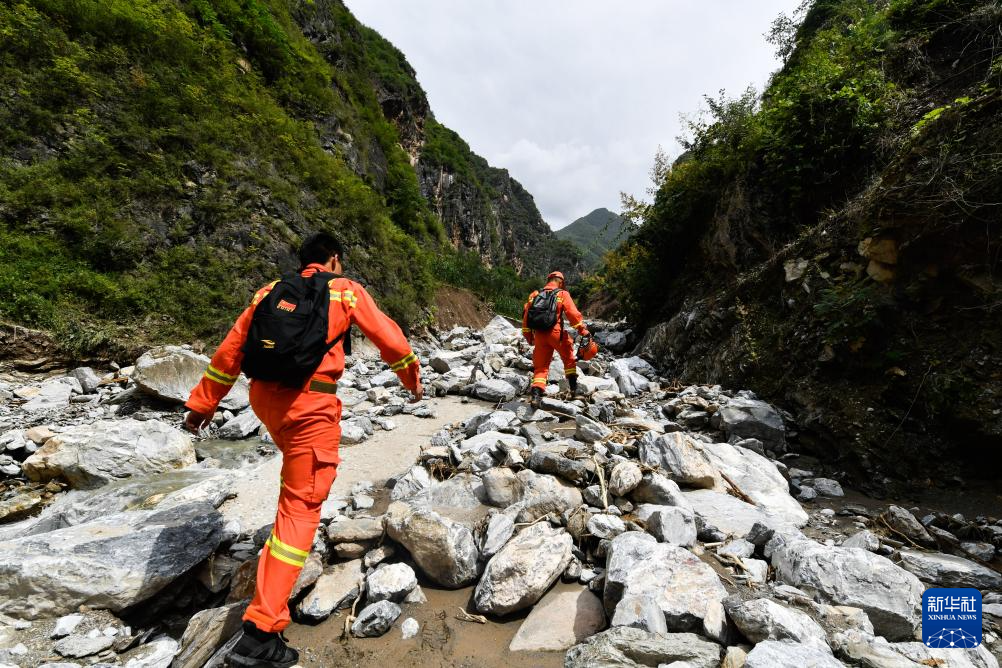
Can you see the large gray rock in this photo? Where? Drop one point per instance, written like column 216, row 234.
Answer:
column 160, row 492
column 172, row 372
column 444, row 361
column 521, row 572
column 755, row 476
column 669, row 524
column 206, row 632
column 589, row 430
column 564, row 617
column 390, row 583
column 678, row 457
column 499, row 330
column 625, row 647
column 774, row 654
column 762, row 619
column 727, row 513
column 241, row 426
column 629, row 381
column 413, row 481
column 947, row 570
column 890, row 595
column 494, row 390
column 53, row 394
column 542, row 495
column 752, row 418
column 114, row 562
column 687, row 590
column 78, row 646
column 444, row 550
column 335, row 588
column 640, row 612
column 657, row 489
column 624, row 478
column 376, row 619
column 91, row 455
column 875, row 652
column 588, row 385
column 905, row 523
column 89, row 381
column 157, row 653
column 500, row 529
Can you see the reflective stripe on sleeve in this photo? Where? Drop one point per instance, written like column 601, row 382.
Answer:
column 262, row 292
column 408, row 359
column 212, row 373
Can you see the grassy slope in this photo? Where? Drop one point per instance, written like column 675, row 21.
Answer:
column 159, row 158
column 595, row 234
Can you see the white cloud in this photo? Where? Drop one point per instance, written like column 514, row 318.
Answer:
column 573, row 97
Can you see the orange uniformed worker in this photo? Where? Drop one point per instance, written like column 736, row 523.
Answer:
column 555, row 338
column 305, row 424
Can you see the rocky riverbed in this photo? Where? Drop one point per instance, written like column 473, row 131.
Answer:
column 644, row 524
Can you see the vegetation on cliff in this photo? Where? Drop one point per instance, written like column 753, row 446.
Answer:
column 158, row 159
column 835, row 242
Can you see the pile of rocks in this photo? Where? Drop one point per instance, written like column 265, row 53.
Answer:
column 667, row 516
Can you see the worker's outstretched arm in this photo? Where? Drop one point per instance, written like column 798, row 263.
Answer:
column 526, row 332
column 386, row 335
column 574, row 317
column 223, row 369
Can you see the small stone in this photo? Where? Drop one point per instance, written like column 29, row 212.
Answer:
column 827, row 487
column 77, row 646
column 409, row 628
column 66, row 625
column 605, row 526
column 982, row 551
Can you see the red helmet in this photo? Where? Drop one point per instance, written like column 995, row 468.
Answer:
column 555, row 274
column 587, row 348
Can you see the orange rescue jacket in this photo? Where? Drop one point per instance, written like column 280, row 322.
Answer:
column 350, row 304
column 565, row 308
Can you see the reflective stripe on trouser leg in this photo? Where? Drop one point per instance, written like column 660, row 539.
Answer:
column 542, row 355
column 306, row 483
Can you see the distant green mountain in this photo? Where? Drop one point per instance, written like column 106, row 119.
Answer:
column 595, row 234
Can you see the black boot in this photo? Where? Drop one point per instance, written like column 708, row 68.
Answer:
column 261, row 649
column 572, row 381
column 535, row 396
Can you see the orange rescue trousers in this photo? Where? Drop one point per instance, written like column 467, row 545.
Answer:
column 542, row 354
column 306, row 428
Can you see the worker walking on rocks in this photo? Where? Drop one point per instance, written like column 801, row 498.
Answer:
column 543, row 327
column 286, row 341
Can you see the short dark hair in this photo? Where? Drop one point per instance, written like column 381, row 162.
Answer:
column 318, row 248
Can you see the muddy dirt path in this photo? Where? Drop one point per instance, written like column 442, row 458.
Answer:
column 384, row 454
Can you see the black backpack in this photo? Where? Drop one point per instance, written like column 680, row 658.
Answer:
column 542, row 313
column 287, row 339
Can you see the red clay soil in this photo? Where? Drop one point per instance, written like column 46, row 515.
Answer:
column 459, row 307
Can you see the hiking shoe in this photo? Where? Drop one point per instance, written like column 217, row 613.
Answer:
column 535, row 397
column 261, row 650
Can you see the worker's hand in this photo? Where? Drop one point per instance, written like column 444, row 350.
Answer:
column 530, row 338
column 417, row 394
column 196, row 422
column 584, row 332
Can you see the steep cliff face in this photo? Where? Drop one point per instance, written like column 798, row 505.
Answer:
column 487, row 211
column 482, row 208
column 836, row 245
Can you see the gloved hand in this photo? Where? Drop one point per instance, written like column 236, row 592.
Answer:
column 530, row 337
column 584, row 332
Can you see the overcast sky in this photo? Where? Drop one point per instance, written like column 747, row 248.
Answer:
column 573, row 97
